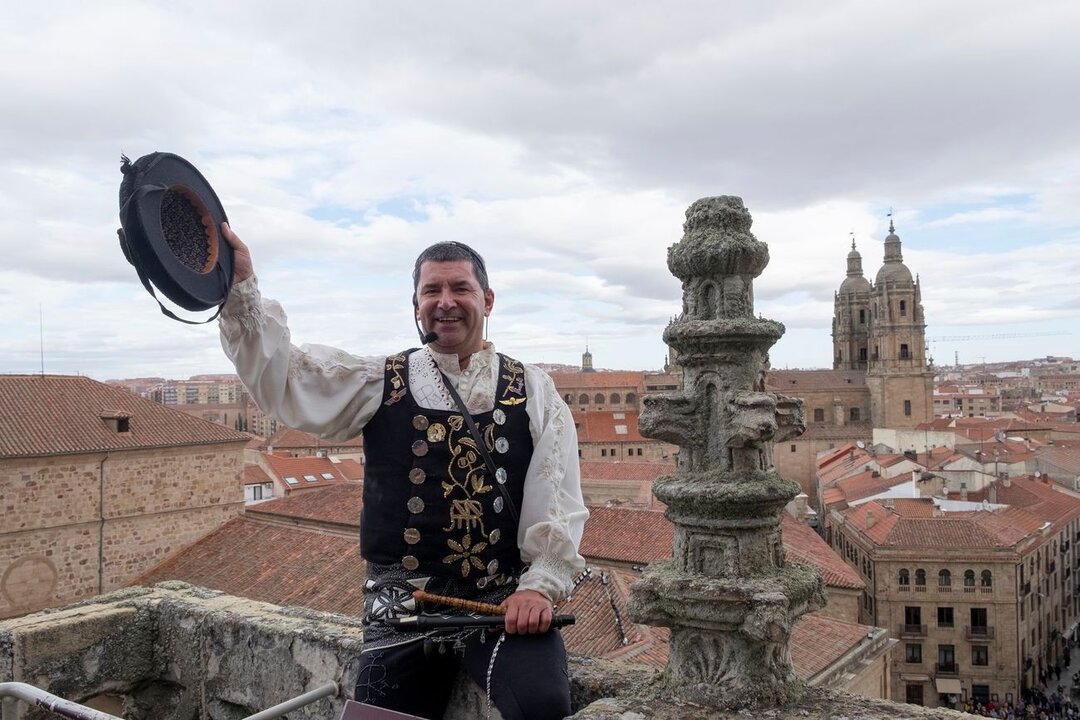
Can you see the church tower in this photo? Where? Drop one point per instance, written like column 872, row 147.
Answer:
column 851, row 317
column 899, row 376
column 586, row 360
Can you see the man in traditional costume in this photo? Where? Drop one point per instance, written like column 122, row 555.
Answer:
column 491, row 513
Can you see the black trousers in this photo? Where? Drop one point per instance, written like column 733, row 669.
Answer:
column 529, row 679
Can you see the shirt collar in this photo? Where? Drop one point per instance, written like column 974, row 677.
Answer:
column 449, row 363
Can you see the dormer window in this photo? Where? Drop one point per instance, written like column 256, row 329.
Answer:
column 117, row 421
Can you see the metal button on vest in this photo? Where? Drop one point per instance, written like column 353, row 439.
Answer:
column 420, row 422
column 494, row 536
column 417, row 476
column 409, row 562
column 500, row 475
column 498, row 416
column 412, row 536
column 493, row 567
column 482, row 583
column 436, row 433
column 416, row 505
column 502, row 445
column 419, row 448
column 497, row 504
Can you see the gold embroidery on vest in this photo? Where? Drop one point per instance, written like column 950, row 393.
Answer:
column 394, row 365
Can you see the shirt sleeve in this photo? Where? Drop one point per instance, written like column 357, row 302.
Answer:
column 553, row 513
column 315, row 388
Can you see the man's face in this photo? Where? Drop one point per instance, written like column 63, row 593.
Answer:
column 452, row 303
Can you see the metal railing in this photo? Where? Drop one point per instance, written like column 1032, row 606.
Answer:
column 979, row 632
column 11, row 691
column 907, row 630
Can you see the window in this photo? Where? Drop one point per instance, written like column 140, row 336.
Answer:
column 612, row 452
column 819, row 415
column 969, row 578
column 944, row 578
column 980, row 655
column 631, row 398
column 912, row 615
column 986, row 579
column 639, row 452
column 903, row 308
column 904, row 353
column 862, row 320
column 980, row 693
column 913, row 653
column 583, row 399
column 946, row 658
column 615, row 399
column 630, row 452
column 905, row 577
column 603, row 452
column 793, row 448
column 853, row 414
column 913, row 694
column 920, row 577
column 978, row 620
column 907, row 407
column 599, row 399
column 862, row 354
column 945, row 617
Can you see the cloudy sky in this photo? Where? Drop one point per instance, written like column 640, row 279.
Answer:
column 563, row 140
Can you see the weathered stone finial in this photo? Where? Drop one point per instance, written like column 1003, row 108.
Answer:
column 727, row 594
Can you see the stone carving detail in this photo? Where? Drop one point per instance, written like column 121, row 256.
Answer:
column 727, row 595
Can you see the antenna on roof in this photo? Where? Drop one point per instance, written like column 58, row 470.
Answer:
column 860, row 444
column 41, row 337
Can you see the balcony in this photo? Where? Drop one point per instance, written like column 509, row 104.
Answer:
column 978, row 632
column 920, row 588
column 944, row 588
column 986, row 588
column 946, row 669
column 909, row 631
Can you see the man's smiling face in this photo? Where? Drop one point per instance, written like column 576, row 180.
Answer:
column 451, row 302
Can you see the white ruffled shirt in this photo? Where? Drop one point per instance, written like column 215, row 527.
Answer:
column 331, row 393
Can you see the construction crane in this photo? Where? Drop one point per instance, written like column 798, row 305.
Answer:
column 995, row 336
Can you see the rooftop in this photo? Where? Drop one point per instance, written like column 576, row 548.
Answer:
column 42, row 415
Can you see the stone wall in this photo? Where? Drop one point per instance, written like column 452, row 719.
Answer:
column 74, row 526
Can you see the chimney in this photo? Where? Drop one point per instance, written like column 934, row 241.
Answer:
column 1006, row 481
column 963, row 492
column 869, row 519
column 889, row 505
column 991, row 493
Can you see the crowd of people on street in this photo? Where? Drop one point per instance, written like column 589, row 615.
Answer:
column 1054, row 702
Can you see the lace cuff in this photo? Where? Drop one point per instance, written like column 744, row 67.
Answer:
column 549, row 577
column 243, row 309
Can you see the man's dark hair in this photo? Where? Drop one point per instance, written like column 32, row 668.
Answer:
column 451, row 251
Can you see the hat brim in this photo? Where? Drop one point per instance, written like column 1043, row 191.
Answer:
column 146, row 245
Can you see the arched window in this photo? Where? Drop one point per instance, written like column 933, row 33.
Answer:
column 944, row 578
column 568, row 398
column 920, row 577
column 631, row 398
column 905, row 577
column 987, row 579
column 583, row 399
column 969, row 578
column 615, row 399
column 599, row 399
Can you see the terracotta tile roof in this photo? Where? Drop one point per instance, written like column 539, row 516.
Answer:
column 802, row 544
column 844, row 461
column 1037, row 497
column 789, row 382
column 351, row 469
column 64, row 415
column 603, row 628
column 608, row 426
column 337, row 504
column 914, row 507
column 306, row 472
column 272, row 563
column 255, row 475
column 627, row 535
column 289, row 438
column 632, row 381
column 1059, row 460
column 869, row 483
column 644, row 472
column 817, row 641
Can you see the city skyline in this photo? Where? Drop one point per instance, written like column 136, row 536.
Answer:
column 564, row 143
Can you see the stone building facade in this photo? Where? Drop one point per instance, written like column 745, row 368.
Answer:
column 99, row 485
column 981, row 595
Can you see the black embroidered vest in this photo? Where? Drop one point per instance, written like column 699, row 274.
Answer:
column 430, row 504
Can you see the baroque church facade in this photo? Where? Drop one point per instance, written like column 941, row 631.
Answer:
column 881, row 375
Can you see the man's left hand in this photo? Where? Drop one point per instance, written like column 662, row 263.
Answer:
column 527, row 611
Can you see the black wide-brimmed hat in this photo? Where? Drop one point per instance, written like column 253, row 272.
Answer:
column 171, row 232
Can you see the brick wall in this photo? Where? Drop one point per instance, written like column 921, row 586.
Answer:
column 56, row 545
